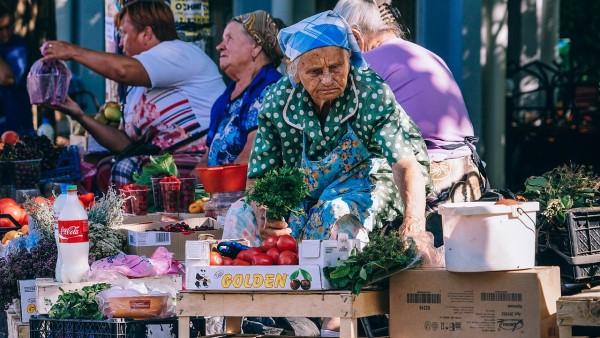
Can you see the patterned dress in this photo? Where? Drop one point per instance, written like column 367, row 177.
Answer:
column 347, row 159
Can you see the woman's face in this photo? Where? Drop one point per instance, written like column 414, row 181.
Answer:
column 236, row 50
column 324, row 73
column 132, row 41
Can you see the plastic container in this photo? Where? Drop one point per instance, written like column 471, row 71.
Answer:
column 229, row 178
column 136, row 202
column 484, row 236
column 170, row 195
column 187, row 193
column 44, row 327
column 219, row 203
column 27, row 173
column 156, row 194
column 137, row 307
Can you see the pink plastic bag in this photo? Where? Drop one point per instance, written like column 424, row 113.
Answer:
column 133, row 266
column 48, row 82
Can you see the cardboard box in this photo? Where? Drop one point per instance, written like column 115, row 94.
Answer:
column 158, row 217
column 48, row 290
column 27, row 292
column 16, row 328
column 245, row 278
column 434, row 303
column 143, row 242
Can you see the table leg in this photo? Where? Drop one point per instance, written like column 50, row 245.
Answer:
column 233, row 324
column 348, row 328
column 183, row 327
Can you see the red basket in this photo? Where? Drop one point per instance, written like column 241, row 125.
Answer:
column 226, row 178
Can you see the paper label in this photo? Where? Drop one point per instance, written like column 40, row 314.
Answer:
column 149, row 238
column 73, row 231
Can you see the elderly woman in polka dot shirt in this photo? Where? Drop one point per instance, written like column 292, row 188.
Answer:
column 365, row 160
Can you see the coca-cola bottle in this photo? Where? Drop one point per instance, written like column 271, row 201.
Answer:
column 73, row 238
column 57, row 208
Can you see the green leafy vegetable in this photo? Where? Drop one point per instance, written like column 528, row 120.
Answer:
column 281, row 190
column 560, row 189
column 384, row 254
column 78, row 304
column 157, row 166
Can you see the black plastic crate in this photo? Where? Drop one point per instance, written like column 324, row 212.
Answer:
column 44, row 327
column 579, row 248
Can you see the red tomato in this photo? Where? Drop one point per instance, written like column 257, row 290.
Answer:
column 238, row 261
column 274, row 254
column 215, row 258
column 287, row 258
column 15, row 211
column 10, row 137
column 7, row 201
column 25, row 219
column 287, row 242
column 227, row 260
column 87, row 199
column 269, row 242
column 248, row 254
column 262, row 259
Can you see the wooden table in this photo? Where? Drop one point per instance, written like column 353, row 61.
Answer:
column 342, row 304
column 579, row 315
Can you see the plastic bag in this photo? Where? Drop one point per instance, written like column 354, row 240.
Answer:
column 431, row 257
column 127, row 303
column 133, row 266
column 48, row 82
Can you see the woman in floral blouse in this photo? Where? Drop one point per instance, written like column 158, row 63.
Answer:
column 365, row 160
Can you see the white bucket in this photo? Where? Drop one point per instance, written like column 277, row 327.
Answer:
column 484, row 236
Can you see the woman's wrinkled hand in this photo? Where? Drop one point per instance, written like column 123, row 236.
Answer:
column 412, row 225
column 266, row 228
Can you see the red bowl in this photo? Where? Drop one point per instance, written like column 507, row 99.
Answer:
column 226, row 178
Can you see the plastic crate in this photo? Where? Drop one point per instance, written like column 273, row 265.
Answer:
column 68, row 167
column 579, row 248
column 44, row 327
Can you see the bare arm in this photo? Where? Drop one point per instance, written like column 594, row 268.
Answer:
column 123, row 69
column 244, row 156
column 109, row 137
column 411, row 184
column 7, row 77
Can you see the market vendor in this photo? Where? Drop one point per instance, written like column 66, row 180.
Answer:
column 425, row 87
column 172, row 87
column 365, row 159
column 249, row 56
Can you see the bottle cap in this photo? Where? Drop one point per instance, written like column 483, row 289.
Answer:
column 63, row 188
column 45, row 120
column 72, row 187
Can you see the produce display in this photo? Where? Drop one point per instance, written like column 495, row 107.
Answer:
column 79, row 304
column 183, row 227
column 136, row 198
column 280, row 190
column 187, row 193
column 170, row 188
column 385, row 253
column 560, row 189
column 276, row 250
column 110, row 115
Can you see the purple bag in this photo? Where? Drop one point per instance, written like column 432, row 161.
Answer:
column 48, row 82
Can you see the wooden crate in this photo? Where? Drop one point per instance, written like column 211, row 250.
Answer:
column 16, row 329
column 579, row 315
column 235, row 304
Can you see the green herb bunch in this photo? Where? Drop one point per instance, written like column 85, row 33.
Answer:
column 384, row 254
column 280, row 190
column 104, row 217
column 78, row 304
column 560, row 189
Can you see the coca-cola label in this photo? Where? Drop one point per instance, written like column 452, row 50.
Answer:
column 73, row 231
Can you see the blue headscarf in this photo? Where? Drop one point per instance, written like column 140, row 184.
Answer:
column 321, row 30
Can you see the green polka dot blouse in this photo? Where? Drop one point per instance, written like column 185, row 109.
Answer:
column 381, row 124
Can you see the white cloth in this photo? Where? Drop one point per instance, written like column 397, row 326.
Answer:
column 183, row 65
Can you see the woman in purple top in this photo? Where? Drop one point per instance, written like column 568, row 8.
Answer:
column 426, row 89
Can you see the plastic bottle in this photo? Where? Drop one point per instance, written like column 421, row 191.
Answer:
column 46, row 129
column 73, row 236
column 57, row 207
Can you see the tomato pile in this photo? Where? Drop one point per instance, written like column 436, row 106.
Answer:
column 275, row 250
